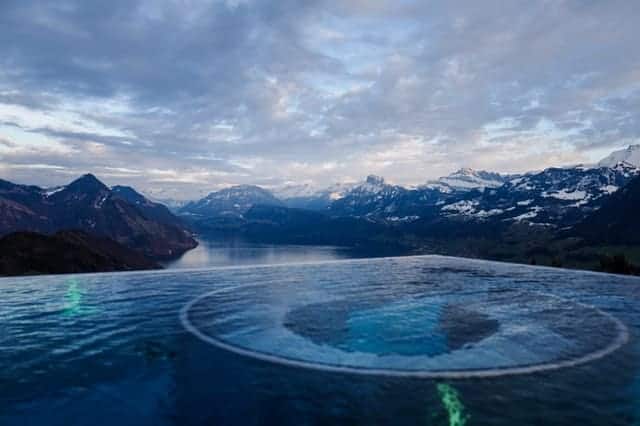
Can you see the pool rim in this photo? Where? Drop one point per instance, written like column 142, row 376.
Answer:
column 621, row 339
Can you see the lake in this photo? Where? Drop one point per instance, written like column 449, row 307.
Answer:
column 235, row 252
column 421, row 340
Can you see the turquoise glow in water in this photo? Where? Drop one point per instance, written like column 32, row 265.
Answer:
column 453, row 404
column 73, row 298
column 403, row 329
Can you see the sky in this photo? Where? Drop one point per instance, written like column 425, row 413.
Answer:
column 181, row 97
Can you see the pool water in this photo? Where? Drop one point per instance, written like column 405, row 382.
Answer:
column 426, row 332
column 399, row 328
column 402, row 330
column 405, row 341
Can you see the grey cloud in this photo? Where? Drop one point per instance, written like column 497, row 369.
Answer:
column 248, row 91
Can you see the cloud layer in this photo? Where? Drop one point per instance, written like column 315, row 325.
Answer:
column 179, row 97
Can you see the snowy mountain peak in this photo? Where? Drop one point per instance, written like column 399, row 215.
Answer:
column 466, row 179
column 629, row 156
column 239, row 191
column 375, row 180
column 464, row 171
column 305, row 190
column 234, row 201
column 372, row 184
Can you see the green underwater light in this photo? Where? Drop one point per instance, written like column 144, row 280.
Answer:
column 453, row 405
column 73, row 298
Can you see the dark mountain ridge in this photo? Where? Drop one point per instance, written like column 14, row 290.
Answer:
column 28, row 253
column 617, row 221
column 152, row 210
column 87, row 204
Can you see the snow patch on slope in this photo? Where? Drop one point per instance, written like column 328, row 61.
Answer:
column 49, row 192
column 566, row 195
column 629, row 155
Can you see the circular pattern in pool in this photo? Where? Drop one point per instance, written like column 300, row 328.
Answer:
column 409, row 332
column 420, row 327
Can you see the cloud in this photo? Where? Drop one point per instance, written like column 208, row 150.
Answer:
column 185, row 96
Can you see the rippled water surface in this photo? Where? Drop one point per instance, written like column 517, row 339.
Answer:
column 403, row 341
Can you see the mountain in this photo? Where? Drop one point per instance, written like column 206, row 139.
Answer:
column 538, row 217
column 28, row 253
column 171, row 204
column 629, row 156
column 230, row 202
column 18, row 206
column 284, row 225
column 616, row 222
column 306, row 197
column 152, row 210
column 466, row 179
column 373, row 197
column 384, row 202
column 89, row 205
column 555, row 196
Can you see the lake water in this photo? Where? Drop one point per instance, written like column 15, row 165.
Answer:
column 237, row 252
column 423, row 340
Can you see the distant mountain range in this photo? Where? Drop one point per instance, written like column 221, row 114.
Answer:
column 552, row 197
column 436, row 216
column 86, row 204
column 468, row 179
column 558, row 215
column 306, row 197
column 234, row 201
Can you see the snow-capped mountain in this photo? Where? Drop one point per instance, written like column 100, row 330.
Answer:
column 554, row 196
column 152, row 210
column 466, row 179
column 307, row 197
column 338, row 190
column 378, row 200
column 373, row 197
column 557, row 196
column 233, row 201
column 629, row 156
column 172, row 204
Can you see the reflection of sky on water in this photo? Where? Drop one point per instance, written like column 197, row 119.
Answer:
column 231, row 253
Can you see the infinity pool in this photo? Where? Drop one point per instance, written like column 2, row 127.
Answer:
column 415, row 340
